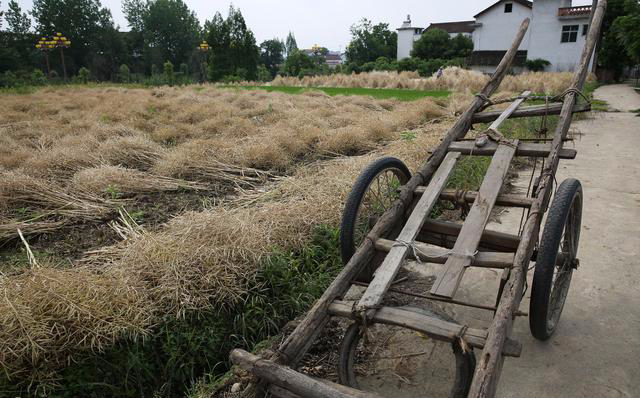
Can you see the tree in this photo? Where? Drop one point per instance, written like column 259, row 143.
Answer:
column 627, row 29
column 81, row 21
column 233, row 50
column 271, row 54
column 297, row 63
column 461, row 47
column 18, row 22
column 437, row 44
column 291, row 46
column 171, row 31
column 370, row 42
column 612, row 55
column 434, row 43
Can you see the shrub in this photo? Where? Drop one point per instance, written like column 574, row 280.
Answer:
column 169, row 76
column 263, row 74
column 124, row 74
column 83, row 75
column 38, row 78
column 537, row 65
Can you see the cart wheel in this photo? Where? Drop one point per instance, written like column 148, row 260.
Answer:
column 550, row 280
column 374, row 191
column 464, row 368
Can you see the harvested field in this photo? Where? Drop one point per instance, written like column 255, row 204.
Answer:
column 453, row 78
column 202, row 189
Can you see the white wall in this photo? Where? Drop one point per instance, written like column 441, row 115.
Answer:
column 499, row 28
column 546, row 34
column 406, row 38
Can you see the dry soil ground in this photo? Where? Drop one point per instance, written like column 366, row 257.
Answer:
column 596, row 349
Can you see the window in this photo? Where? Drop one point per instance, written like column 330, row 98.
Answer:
column 585, row 29
column 569, row 33
column 508, row 7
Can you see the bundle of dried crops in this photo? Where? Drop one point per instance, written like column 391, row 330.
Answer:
column 64, row 158
column 136, row 151
column 197, row 161
column 48, row 313
column 41, row 205
column 453, row 78
column 117, row 181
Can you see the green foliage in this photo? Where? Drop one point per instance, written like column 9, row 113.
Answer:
column 297, row 63
column 18, row 22
column 169, row 76
column 627, row 29
column 232, row 47
column 22, row 79
column 291, row 46
column 437, row 44
column 83, row 75
column 124, row 74
column 171, row 30
column 263, row 74
column 272, row 55
column 87, row 24
column 537, row 65
column 370, row 42
column 612, row 55
column 182, row 350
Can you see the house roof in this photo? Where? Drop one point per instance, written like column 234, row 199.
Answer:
column 525, row 3
column 454, row 27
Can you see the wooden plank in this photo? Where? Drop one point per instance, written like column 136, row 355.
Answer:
column 490, row 362
column 469, row 196
column 532, row 149
column 471, row 232
column 528, row 111
column 510, row 109
column 298, row 342
column 391, row 265
column 433, row 327
column 291, row 380
column 493, row 240
column 439, row 256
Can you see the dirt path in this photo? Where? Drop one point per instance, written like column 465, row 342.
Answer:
column 596, row 349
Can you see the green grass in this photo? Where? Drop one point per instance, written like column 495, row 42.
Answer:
column 379, row 93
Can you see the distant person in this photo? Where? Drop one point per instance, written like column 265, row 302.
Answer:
column 439, row 73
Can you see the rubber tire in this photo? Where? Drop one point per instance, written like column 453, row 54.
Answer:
column 547, row 253
column 350, row 212
column 465, row 362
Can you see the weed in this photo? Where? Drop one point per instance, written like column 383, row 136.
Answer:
column 113, row 191
column 408, row 135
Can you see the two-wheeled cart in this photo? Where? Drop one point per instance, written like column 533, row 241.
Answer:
column 386, row 222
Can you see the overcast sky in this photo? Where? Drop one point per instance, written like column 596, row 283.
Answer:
column 322, row 22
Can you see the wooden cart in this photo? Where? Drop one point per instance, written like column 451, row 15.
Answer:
column 402, row 229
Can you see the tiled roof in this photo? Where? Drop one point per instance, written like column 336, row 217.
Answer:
column 454, row 27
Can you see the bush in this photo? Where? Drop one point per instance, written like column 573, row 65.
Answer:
column 169, row 76
column 83, row 75
column 537, row 65
column 38, row 78
column 124, row 74
column 263, row 74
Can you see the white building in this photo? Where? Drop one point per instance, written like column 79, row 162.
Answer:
column 557, row 33
column 406, row 36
